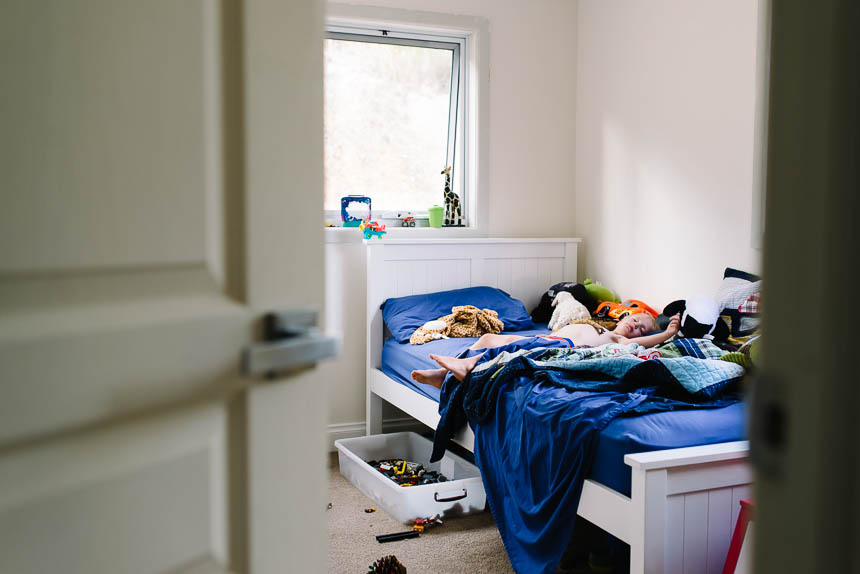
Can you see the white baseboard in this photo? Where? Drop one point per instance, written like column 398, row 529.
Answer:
column 350, row 430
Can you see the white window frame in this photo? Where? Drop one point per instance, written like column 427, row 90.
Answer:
column 456, row 44
column 761, row 114
column 471, row 157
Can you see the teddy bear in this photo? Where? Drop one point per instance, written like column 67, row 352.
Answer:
column 543, row 312
column 567, row 309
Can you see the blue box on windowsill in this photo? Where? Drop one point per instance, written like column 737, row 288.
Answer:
column 351, row 212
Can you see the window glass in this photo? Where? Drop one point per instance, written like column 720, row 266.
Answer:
column 386, row 117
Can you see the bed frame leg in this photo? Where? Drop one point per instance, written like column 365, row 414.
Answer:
column 647, row 548
column 374, row 414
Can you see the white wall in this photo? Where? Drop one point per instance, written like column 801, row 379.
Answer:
column 532, row 89
column 664, row 144
column 345, row 300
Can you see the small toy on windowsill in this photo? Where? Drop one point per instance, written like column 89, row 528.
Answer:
column 370, row 228
column 453, row 212
column 408, row 221
column 354, row 209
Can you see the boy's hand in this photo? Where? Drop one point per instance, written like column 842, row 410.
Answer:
column 674, row 324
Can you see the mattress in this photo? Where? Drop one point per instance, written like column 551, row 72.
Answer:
column 622, row 436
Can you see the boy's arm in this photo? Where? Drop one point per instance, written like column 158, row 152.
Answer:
column 655, row 339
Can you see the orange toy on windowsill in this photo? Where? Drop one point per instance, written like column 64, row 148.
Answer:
column 617, row 311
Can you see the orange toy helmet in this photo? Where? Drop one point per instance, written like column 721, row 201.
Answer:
column 617, row 311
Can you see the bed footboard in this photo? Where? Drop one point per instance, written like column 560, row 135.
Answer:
column 684, row 505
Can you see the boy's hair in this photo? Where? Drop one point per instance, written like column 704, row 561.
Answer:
column 654, row 326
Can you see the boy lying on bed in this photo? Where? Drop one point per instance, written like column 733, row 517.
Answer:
column 631, row 329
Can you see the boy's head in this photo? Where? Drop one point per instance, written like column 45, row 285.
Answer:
column 636, row 325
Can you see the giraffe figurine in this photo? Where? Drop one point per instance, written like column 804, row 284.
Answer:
column 453, row 213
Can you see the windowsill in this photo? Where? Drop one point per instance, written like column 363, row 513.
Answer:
column 353, row 235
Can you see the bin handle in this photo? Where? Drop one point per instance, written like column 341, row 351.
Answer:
column 450, row 499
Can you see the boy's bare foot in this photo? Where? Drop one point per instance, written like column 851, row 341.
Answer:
column 432, row 377
column 460, row 368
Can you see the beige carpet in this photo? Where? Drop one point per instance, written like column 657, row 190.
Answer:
column 468, row 544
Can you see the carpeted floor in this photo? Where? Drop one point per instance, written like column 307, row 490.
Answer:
column 468, row 544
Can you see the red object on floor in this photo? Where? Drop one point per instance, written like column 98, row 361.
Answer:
column 746, row 514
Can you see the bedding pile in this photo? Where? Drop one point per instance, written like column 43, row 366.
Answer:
column 537, row 412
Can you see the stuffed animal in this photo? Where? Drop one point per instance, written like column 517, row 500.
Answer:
column 599, row 292
column 430, row 331
column 700, row 318
column 618, row 311
column 453, row 214
column 464, row 321
column 544, row 310
column 567, row 309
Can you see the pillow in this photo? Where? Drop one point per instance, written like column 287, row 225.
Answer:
column 737, row 286
column 739, row 296
column 402, row 315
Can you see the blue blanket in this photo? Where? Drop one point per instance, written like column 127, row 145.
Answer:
column 537, row 413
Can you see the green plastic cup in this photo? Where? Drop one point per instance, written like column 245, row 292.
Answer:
column 435, row 213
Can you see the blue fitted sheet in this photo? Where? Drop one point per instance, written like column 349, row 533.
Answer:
column 400, row 359
column 621, row 436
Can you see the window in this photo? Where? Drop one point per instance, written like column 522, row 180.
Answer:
column 394, row 118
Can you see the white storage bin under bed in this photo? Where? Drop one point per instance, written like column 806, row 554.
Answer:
column 462, row 493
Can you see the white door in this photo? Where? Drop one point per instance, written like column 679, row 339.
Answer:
column 805, row 432
column 161, row 178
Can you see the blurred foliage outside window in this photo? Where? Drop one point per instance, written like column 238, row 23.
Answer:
column 386, row 123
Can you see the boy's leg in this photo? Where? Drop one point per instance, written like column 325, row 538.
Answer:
column 490, row 340
column 435, row 377
column 460, row 368
column 432, row 377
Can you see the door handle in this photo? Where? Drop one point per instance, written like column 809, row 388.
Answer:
column 291, row 341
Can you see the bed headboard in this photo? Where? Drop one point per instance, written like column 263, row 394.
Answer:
column 524, row 268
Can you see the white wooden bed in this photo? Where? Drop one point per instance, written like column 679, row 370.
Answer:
column 684, row 502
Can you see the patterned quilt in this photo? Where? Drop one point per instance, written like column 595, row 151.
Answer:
column 535, row 448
